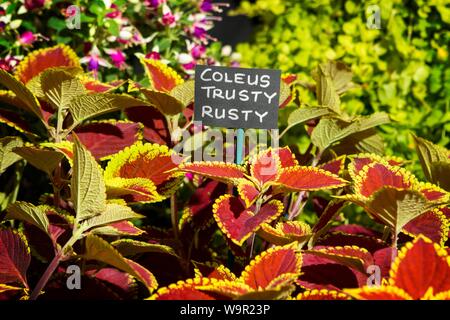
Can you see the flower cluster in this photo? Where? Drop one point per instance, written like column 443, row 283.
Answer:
column 111, row 34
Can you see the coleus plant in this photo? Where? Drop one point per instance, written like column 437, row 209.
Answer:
column 235, row 231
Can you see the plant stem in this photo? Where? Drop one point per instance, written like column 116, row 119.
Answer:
column 46, row 276
column 252, row 244
column 52, row 266
column 174, row 215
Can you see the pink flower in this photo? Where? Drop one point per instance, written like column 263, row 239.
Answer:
column 189, row 66
column 153, row 55
column 27, row 38
column 168, row 19
column 115, row 13
column 118, row 58
column 9, row 63
column 34, row 4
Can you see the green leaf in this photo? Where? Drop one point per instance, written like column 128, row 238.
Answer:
column 184, row 92
column 113, row 213
column 340, row 74
column 57, row 24
column 22, row 92
column 396, row 208
column 100, row 250
column 88, row 106
column 429, row 154
column 87, row 185
column 60, row 86
column 441, row 173
column 285, row 92
column 330, row 131
column 129, row 247
column 302, row 115
column 164, row 102
column 7, row 155
column 326, row 92
column 45, row 160
column 27, row 212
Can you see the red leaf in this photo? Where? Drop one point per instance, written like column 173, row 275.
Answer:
column 308, row 178
column 155, row 123
column 125, row 228
column 214, row 272
column 433, row 192
column 237, row 222
column 95, row 86
column 335, row 166
column 198, row 211
column 13, row 120
column 342, row 239
column 321, row 273
column 105, row 138
column 351, row 256
column 272, row 264
column 384, row 258
column 322, row 295
column 431, row 224
column 247, row 191
column 362, row 160
column 421, row 265
column 139, row 169
column 287, row 158
column 355, row 229
column 285, row 232
column 183, row 291
column 14, row 257
column 115, row 277
column 379, row 293
column 221, row 171
column 375, row 176
column 265, row 166
column 39, row 60
column 162, row 77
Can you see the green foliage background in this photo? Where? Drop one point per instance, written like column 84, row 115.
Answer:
column 402, row 68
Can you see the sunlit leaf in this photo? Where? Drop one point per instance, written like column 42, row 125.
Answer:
column 87, row 185
column 100, row 250
column 7, row 155
column 14, row 257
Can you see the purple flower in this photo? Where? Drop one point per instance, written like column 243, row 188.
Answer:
column 153, row 3
column 198, row 51
column 94, row 61
column 199, row 32
column 206, row 6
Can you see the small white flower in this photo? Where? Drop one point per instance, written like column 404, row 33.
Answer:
column 184, row 58
column 226, row 50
